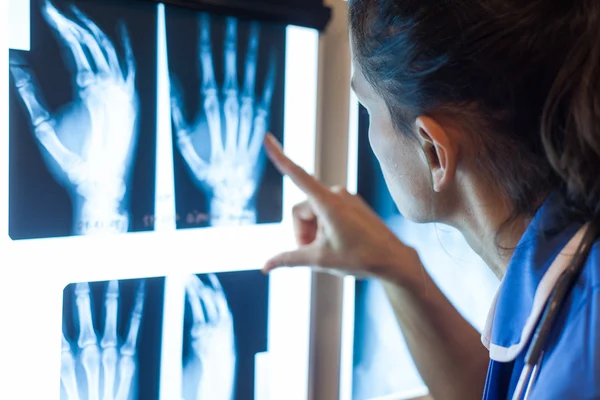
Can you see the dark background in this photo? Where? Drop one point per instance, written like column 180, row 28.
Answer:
column 248, row 298
column 39, row 206
column 184, row 67
column 150, row 333
column 371, row 184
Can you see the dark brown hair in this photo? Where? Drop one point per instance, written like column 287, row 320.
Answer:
column 523, row 77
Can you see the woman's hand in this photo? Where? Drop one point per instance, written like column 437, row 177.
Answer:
column 337, row 231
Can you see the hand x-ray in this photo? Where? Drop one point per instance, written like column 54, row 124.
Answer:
column 233, row 93
column 82, row 123
column 225, row 328
column 111, row 340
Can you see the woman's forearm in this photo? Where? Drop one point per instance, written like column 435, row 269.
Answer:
column 446, row 349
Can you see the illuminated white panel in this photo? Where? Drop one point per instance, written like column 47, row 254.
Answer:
column 349, row 288
column 262, row 376
column 289, row 297
column 19, row 29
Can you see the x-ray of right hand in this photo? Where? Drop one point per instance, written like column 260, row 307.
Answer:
column 89, row 142
column 106, row 368
column 210, row 373
column 223, row 147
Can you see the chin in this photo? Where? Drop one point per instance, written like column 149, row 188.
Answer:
column 413, row 209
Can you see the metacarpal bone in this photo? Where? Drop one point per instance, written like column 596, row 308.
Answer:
column 90, row 360
column 126, row 371
column 109, row 372
column 67, row 371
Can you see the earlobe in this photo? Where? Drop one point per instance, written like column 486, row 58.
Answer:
column 439, row 152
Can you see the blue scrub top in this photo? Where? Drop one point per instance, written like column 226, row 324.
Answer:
column 570, row 368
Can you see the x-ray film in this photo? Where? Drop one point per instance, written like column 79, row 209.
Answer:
column 82, row 123
column 234, row 74
column 225, row 331
column 111, row 340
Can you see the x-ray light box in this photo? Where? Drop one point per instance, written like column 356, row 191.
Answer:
column 140, row 205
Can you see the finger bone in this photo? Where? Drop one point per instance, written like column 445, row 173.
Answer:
column 129, row 348
column 111, row 302
column 87, row 336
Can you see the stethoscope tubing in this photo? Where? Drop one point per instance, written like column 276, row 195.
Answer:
column 535, row 352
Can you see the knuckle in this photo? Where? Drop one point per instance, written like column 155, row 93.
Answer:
column 299, row 207
column 339, row 189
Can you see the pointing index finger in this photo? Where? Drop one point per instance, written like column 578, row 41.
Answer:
column 305, row 181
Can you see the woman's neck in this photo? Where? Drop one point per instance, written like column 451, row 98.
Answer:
column 484, row 227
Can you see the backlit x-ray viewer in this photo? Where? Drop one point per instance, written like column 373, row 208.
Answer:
column 157, row 180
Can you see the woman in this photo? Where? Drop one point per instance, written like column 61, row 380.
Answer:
column 485, row 115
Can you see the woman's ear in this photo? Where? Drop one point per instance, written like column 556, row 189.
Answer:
column 440, row 151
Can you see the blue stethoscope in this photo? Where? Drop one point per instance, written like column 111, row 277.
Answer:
column 535, row 352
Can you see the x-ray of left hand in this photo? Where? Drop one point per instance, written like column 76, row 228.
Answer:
column 89, row 142
column 231, row 126
column 210, row 371
column 93, row 368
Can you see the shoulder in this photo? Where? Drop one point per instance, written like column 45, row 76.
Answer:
column 590, row 275
column 571, row 365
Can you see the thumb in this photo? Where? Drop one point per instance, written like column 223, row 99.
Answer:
column 305, row 256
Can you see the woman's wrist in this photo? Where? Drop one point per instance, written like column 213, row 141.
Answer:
column 404, row 270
